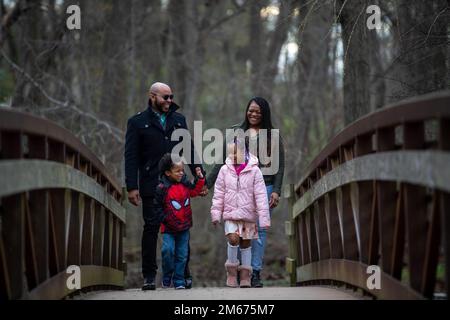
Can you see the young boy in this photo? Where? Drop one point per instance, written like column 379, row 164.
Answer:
column 173, row 205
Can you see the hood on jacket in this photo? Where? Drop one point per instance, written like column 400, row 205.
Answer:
column 184, row 180
column 252, row 161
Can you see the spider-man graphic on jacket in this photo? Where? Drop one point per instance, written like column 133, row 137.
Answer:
column 173, row 205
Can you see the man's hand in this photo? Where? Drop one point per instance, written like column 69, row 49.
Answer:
column 204, row 191
column 274, row 199
column 133, row 197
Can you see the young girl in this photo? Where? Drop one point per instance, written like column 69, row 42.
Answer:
column 240, row 198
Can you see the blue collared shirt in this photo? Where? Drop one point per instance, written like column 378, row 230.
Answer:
column 162, row 118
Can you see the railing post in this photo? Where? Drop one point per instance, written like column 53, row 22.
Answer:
column 12, row 242
column 444, row 144
column 291, row 232
column 123, row 233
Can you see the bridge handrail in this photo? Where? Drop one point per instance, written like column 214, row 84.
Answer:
column 379, row 188
column 426, row 107
column 59, row 207
column 17, row 121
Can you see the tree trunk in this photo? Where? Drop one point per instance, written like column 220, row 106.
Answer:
column 28, row 49
column 179, row 34
column 115, row 45
column 378, row 83
column 277, row 38
column 256, row 46
column 265, row 49
column 356, row 59
column 313, row 82
column 421, row 64
column 152, row 34
column 190, row 22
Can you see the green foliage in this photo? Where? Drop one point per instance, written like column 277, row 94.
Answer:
column 289, row 125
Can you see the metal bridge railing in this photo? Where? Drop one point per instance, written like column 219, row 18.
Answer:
column 58, row 207
column 378, row 194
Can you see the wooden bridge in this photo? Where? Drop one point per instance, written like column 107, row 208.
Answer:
column 378, row 194
column 59, row 207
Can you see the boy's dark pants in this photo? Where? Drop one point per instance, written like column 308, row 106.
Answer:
column 150, row 241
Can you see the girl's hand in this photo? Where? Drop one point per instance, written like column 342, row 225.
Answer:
column 198, row 172
column 215, row 223
column 274, row 199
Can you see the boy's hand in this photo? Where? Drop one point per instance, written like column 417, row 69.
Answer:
column 199, row 173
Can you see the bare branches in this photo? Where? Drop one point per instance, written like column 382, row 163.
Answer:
column 32, row 81
column 434, row 22
column 115, row 132
column 351, row 34
column 223, row 20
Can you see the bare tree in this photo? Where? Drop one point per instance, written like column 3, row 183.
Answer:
column 421, row 30
column 265, row 46
column 115, row 48
column 356, row 59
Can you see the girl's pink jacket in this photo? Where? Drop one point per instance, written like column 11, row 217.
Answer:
column 242, row 197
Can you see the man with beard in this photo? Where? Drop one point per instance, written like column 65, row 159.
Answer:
column 147, row 139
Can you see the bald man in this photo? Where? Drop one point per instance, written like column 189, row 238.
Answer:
column 147, row 139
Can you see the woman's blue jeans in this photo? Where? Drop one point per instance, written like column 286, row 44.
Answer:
column 174, row 254
column 259, row 245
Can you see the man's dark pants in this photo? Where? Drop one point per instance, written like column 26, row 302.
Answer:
column 150, row 241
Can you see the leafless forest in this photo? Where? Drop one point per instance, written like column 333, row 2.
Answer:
column 316, row 61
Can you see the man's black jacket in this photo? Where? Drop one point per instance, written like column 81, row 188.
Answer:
column 146, row 142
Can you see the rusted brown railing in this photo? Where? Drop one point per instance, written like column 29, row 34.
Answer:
column 58, row 207
column 378, row 194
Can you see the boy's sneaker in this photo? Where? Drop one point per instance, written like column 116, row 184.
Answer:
column 188, row 283
column 180, row 287
column 165, row 284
